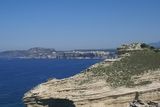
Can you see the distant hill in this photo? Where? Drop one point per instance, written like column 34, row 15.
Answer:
column 156, row 44
column 36, row 52
column 49, row 53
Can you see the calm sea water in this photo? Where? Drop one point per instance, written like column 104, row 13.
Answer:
column 20, row 75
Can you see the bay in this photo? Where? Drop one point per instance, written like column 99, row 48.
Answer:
column 17, row 76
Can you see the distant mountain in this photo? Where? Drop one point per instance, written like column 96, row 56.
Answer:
column 156, row 44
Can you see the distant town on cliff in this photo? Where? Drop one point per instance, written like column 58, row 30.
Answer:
column 49, row 53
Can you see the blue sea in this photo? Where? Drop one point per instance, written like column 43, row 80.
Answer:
column 17, row 76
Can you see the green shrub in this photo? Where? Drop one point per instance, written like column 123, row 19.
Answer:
column 121, row 72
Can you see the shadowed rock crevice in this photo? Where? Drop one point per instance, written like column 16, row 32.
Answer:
column 139, row 103
column 56, row 102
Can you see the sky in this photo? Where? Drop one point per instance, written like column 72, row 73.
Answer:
column 77, row 24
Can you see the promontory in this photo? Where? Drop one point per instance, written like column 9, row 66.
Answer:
column 131, row 80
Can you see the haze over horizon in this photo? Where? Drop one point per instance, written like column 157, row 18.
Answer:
column 80, row 24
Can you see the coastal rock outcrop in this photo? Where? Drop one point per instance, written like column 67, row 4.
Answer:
column 91, row 87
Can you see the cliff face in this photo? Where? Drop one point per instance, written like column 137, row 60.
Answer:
column 89, row 89
column 95, row 93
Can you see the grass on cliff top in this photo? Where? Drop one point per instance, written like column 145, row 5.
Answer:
column 120, row 73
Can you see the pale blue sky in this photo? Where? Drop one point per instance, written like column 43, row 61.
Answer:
column 77, row 24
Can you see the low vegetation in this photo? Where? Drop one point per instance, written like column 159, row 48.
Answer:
column 120, row 73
